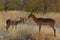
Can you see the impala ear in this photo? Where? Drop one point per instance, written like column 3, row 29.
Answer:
column 20, row 17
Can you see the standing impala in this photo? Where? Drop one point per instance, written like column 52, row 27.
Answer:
column 44, row 21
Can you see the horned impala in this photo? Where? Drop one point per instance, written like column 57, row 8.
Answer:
column 44, row 21
column 10, row 22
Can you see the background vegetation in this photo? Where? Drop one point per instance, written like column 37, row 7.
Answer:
column 29, row 5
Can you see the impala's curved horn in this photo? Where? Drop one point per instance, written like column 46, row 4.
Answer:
column 34, row 9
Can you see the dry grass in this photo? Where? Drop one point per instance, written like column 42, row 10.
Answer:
column 26, row 31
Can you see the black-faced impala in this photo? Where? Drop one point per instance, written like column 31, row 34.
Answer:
column 44, row 21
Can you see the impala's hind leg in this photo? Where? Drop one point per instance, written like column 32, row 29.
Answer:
column 54, row 30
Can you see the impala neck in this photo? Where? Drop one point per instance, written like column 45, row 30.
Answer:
column 34, row 18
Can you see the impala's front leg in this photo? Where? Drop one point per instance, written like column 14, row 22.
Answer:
column 7, row 27
column 39, row 29
column 15, row 26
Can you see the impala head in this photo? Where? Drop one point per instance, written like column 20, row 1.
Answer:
column 30, row 15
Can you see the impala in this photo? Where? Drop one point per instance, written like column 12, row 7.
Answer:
column 44, row 21
column 12, row 23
